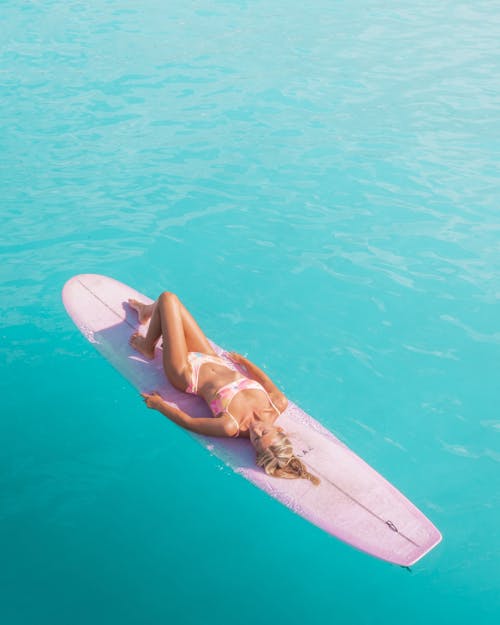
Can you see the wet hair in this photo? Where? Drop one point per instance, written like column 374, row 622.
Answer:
column 279, row 460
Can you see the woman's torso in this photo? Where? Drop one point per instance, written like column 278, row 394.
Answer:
column 214, row 377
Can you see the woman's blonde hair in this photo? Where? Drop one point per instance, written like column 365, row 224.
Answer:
column 279, row 460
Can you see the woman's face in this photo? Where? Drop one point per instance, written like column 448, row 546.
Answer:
column 262, row 436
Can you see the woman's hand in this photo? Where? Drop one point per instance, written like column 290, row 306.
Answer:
column 153, row 400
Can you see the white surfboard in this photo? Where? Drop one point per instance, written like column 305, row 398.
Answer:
column 353, row 502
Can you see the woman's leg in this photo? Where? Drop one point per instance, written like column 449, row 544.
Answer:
column 196, row 340
column 181, row 334
column 166, row 321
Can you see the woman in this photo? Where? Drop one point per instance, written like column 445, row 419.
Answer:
column 242, row 405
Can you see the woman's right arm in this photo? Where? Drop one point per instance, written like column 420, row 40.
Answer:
column 211, row 426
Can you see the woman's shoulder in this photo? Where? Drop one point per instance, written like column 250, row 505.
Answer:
column 230, row 424
column 279, row 400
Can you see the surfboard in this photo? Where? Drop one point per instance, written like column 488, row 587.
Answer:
column 353, row 502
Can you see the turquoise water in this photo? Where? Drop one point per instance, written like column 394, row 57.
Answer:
column 319, row 185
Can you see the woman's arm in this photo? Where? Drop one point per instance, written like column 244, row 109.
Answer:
column 218, row 426
column 257, row 374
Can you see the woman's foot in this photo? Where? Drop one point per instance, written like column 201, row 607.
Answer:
column 138, row 342
column 144, row 311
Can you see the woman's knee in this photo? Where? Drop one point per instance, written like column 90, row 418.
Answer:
column 167, row 296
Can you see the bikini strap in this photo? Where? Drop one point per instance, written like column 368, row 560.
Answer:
column 237, row 425
column 271, row 401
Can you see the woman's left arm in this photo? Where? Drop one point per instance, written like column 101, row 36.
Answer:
column 257, row 374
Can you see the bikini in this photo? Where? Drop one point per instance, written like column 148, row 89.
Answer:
column 225, row 394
